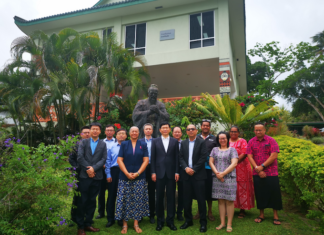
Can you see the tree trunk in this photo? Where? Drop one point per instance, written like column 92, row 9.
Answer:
column 314, row 107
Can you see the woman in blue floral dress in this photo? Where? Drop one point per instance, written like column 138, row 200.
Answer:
column 223, row 161
column 132, row 195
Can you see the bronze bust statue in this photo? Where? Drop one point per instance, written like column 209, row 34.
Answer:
column 150, row 110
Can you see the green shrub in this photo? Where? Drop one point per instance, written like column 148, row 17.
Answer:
column 307, row 131
column 34, row 188
column 318, row 140
column 301, row 172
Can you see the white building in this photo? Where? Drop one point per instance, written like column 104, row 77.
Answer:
column 190, row 46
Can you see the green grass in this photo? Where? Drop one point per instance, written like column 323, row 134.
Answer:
column 293, row 222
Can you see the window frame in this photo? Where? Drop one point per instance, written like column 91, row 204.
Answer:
column 201, row 31
column 136, row 48
column 103, row 30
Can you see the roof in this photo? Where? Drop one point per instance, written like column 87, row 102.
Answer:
column 95, row 8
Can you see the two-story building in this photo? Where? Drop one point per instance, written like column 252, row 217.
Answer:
column 190, row 46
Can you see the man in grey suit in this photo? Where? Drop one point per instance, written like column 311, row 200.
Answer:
column 92, row 155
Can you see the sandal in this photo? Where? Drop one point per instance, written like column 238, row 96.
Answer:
column 276, row 220
column 241, row 215
column 220, row 227
column 229, row 229
column 124, row 230
column 261, row 220
column 211, row 217
column 137, row 229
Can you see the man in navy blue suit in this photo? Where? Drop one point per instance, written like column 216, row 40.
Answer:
column 148, row 131
column 165, row 172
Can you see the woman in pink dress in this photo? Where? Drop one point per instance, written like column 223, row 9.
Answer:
column 245, row 190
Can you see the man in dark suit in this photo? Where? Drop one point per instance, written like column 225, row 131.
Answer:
column 148, row 131
column 85, row 134
column 165, row 172
column 193, row 155
column 177, row 133
column 92, row 154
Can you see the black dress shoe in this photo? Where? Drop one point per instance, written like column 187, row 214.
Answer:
column 120, row 222
column 100, row 216
column 203, row 228
column 152, row 220
column 186, row 225
column 172, row 227
column 159, row 227
column 109, row 224
column 180, row 218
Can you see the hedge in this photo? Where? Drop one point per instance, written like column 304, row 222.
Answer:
column 301, row 172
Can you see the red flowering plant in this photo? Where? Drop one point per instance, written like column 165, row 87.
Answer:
column 251, row 98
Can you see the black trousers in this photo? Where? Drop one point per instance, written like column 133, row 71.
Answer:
column 170, row 186
column 112, row 193
column 194, row 187
column 151, row 186
column 89, row 189
column 102, row 195
column 180, row 198
column 75, row 200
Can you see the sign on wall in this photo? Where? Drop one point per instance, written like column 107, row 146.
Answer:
column 167, row 34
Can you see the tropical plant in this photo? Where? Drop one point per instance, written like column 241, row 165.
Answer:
column 318, row 140
column 230, row 112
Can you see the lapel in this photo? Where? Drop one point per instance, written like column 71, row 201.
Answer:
column 98, row 145
column 138, row 145
column 161, row 142
column 89, row 147
column 195, row 149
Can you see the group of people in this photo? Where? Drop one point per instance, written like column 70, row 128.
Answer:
column 142, row 175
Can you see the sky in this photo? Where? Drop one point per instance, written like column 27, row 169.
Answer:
column 286, row 21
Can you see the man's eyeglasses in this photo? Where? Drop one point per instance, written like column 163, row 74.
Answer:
column 206, row 120
column 191, row 129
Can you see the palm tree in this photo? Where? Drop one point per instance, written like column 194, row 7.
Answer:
column 230, row 112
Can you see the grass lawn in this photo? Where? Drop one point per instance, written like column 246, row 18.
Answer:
column 293, row 222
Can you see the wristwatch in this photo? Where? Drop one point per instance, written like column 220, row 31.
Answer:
column 263, row 166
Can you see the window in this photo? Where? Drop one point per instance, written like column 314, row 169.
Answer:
column 136, row 38
column 202, row 30
column 106, row 33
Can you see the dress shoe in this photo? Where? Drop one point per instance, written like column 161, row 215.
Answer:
column 152, row 220
column 100, row 216
column 91, row 229
column 203, row 228
column 120, row 222
column 172, row 227
column 159, row 227
column 180, row 217
column 109, row 224
column 81, row 232
column 186, row 225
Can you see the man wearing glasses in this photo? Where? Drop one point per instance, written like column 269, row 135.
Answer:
column 210, row 141
column 109, row 140
column 193, row 155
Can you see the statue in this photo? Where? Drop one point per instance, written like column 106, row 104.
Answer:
column 150, row 111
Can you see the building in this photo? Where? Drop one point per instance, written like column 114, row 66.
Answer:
column 190, row 46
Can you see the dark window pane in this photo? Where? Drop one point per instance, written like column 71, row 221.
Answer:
column 132, row 51
column 208, row 42
column 140, row 35
column 130, row 36
column 195, row 44
column 140, row 51
column 106, row 33
column 208, row 24
column 195, row 26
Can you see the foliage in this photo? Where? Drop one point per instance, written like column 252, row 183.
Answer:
column 184, row 112
column 251, row 98
column 310, row 132
column 318, row 140
column 279, row 61
column 301, row 172
column 256, row 73
column 319, row 40
column 34, row 188
column 230, row 111
column 69, row 71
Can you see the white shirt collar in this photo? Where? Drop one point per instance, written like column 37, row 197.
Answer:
column 167, row 138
